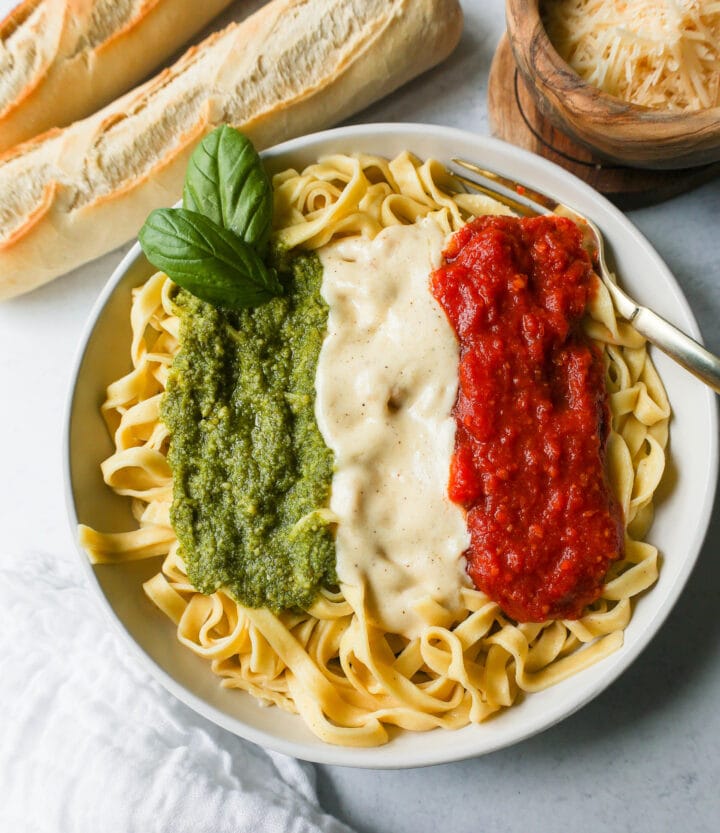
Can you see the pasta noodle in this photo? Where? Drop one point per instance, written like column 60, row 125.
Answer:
column 348, row 679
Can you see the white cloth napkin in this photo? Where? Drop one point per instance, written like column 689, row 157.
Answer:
column 89, row 743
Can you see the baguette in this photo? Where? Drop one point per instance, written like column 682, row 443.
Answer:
column 295, row 66
column 97, row 49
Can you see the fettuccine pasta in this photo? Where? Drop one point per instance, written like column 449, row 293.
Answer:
column 348, row 679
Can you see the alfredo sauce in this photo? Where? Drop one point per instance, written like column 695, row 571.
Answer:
column 386, row 383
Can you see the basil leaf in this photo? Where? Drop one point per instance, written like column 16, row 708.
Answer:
column 206, row 259
column 226, row 181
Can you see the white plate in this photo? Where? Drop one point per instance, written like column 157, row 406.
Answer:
column 682, row 517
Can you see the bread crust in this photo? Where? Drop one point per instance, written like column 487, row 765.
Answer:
column 62, row 47
column 295, row 66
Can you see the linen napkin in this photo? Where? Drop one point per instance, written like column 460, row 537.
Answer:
column 89, row 743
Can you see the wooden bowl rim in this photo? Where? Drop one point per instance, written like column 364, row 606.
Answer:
column 589, row 101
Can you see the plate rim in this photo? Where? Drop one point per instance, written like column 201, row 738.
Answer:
column 318, row 751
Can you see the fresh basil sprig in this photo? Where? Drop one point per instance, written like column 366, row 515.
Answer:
column 214, row 247
column 226, row 181
column 206, row 259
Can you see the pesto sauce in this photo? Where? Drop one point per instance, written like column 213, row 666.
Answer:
column 249, row 464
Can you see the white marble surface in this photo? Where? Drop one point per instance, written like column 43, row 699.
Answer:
column 644, row 756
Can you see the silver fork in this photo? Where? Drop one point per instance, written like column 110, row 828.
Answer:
column 664, row 335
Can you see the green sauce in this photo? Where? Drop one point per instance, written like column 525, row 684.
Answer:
column 250, row 468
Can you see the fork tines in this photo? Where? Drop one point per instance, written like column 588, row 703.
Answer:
column 521, row 198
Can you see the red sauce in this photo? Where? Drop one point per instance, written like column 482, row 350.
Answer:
column 532, row 416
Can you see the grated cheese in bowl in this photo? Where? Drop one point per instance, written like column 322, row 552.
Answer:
column 663, row 54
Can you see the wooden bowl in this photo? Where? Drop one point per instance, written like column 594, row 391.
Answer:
column 625, row 133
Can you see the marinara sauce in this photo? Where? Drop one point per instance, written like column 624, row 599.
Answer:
column 532, row 416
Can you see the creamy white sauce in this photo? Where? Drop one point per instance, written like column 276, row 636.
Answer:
column 386, row 383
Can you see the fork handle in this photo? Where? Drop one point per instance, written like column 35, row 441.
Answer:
column 679, row 346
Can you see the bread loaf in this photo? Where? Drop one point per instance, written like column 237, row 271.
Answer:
column 293, row 67
column 61, row 60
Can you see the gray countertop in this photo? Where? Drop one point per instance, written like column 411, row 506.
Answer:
column 644, row 755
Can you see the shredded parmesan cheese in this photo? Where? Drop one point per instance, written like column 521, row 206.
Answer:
column 659, row 53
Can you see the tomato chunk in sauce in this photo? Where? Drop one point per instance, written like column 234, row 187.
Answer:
column 532, row 416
